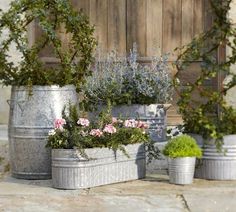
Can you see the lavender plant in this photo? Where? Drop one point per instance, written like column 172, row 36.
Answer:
column 122, row 80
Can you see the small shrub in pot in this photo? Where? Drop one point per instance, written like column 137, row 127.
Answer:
column 182, row 152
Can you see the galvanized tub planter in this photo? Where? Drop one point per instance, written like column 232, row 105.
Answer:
column 71, row 171
column 181, row 170
column 216, row 165
column 31, row 117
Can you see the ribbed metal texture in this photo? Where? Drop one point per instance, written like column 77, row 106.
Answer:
column 31, row 117
column 181, row 170
column 216, row 165
column 70, row 171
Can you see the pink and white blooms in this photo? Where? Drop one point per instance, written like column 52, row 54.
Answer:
column 115, row 120
column 58, row 123
column 109, row 128
column 83, row 122
column 96, row 132
column 141, row 124
column 130, row 123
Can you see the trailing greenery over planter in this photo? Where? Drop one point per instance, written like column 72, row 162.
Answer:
column 209, row 115
column 182, row 146
column 49, row 16
column 124, row 80
column 73, row 131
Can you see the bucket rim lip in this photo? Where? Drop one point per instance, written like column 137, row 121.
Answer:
column 182, row 158
column 43, row 87
column 166, row 105
column 95, row 148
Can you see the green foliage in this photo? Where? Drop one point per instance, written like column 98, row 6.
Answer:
column 125, row 81
column 182, row 146
column 207, row 113
column 50, row 16
column 79, row 133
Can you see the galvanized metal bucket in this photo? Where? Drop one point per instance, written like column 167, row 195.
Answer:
column 31, row 117
column 181, row 170
column 216, row 165
column 71, row 171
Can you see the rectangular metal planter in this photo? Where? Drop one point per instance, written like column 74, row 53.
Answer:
column 71, row 171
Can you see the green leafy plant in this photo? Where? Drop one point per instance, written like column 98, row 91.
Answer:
column 125, row 81
column 74, row 132
column 209, row 115
column 50, row 17
column 182, row 146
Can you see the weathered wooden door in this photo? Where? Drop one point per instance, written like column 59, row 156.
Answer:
column 156, row 26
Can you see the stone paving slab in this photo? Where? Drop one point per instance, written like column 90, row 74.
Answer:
column 151, row 194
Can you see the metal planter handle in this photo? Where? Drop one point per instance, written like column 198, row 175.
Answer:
column 20, row 104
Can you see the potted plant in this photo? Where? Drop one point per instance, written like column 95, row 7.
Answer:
column 210, row 116
column 40, row 90
column 87, row 154
column 135, row 90
column 182, row 151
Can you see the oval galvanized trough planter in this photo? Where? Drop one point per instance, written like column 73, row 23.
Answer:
column 216, row 165
column 71, row 171
column 31, row 117
column 181, row 170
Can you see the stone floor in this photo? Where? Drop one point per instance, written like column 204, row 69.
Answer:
column 153, row 193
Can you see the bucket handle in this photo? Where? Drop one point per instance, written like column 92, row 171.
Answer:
column 160, row 111
column 19, row 103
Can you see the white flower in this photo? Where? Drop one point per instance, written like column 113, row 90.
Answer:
column 51, row 132
column 83, row 122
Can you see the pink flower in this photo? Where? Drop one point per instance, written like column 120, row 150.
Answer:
column 130, row 123
column 96, row 132
column 141, row 124
column 58, row 123
column 83, row 122
column 109, row 128
column 114, row 120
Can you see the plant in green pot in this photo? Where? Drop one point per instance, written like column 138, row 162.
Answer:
column 182, row 152
column 46, row 77
column 202, row 101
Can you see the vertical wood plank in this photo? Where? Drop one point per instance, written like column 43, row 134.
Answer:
column 187, row 21
column 171, row 26
column 81, row 5
column 98, row 17
column 136, row 25
column 198, row 17
column 117, row 26
column 154, row 27
column 208, row 16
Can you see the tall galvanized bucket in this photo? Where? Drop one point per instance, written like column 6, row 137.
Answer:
column 31, row 117
column 181, row 170
column 216, row 165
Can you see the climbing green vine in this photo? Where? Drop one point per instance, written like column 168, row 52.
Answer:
column 207, row 112
column 50, row 16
